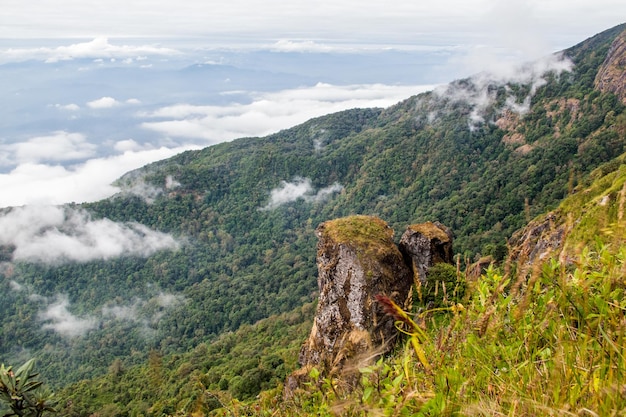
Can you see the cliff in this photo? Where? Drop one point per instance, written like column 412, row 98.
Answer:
column 357, row 260
column 611, row 76
column 594, row 212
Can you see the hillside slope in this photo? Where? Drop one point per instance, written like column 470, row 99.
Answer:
column 547, row 339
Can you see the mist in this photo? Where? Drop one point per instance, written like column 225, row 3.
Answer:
column 299, row 188
column 57, row 234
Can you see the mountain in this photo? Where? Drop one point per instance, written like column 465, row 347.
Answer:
column 224, row 236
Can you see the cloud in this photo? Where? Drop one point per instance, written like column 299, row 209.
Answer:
column 37, row 183
column 288, row 192
column 97, row 48
column 53, row 234
column 15, row 286
column 479, row 93
column 140, row 188
column 59, row 146
column 103, row 103
column 285, row 45
column 68, row 107
column 171, row 183
column 300, row 188
column 127, row 145
column 61, row 320
column 271, row 112
column 145, row 312
column 325, row 193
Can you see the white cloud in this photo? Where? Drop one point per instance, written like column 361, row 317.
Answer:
column 59, row 146
column 58, row 318
column 287, row 192
column 140, row 188
column 15, row 286
column 123, row 312
column 69, row 107
column 144, row 311
column 133, row 101
column 53, row 234
column 325, row 193
column 103, row 103
column 271, row 112
column 127, row 145
column 477, row 91
column 36, row 183
column 168, row 300
column 171, row 183
column 285, row 45
column 97, row 48
column 300, row 188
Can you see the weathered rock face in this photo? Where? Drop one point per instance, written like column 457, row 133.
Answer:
column 357, row 259
column 539, row 239
column 612, row 75
column 424, row 245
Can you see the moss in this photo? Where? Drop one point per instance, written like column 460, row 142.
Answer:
column 430, row 230
column 367, row 233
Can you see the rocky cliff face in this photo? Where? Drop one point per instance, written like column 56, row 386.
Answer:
column 594, row 213
column 612, row 75
column 540, row 238
column 357, row 260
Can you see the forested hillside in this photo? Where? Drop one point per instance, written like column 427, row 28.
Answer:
column 540, row 337
column 482, row 155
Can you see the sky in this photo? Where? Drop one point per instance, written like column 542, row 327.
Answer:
column 70, row 153
column 362, row 21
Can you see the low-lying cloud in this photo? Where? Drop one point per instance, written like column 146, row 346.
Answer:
column 58, row 318
column 97, row 48
column 53, row 234
column 299, row 188
column 110, row 102
column 477, row 92
column 270, row 112
column 146, row 313
column 42, row 183
column 56, row 147
column 103, row 103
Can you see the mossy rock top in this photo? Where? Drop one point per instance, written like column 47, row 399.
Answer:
column 366, row 232
column 430, row 230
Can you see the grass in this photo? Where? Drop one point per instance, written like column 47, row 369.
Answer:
column 555, row 345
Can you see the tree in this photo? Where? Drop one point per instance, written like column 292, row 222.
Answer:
column 23, row 394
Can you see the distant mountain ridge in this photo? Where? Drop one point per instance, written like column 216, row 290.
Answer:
column 482, row 155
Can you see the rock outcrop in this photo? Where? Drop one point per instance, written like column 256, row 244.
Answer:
column 540, row 238
column 611, row 77
column 357, row 260
column 424, row 245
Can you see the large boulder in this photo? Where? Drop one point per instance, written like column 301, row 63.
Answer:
column 424, row 245
column 357, row 260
